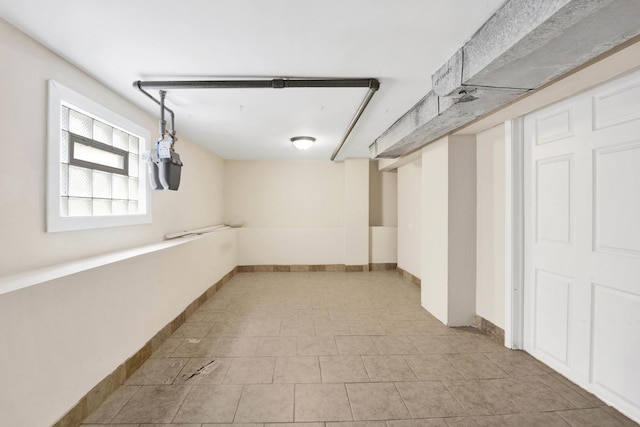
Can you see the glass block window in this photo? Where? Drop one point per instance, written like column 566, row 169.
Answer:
column 99, row 167
column 96, row 171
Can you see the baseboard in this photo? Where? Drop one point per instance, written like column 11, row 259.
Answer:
column 303, row 268
column 494, row 332
column 409, row 277
column 94, row 398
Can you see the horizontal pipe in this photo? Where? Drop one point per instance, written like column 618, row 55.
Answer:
column 258, row 84
column 372, row 84
column 353, row 122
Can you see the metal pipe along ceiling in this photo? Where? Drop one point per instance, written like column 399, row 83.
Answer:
column 372, row 84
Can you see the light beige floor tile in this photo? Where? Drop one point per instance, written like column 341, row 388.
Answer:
column 365, row 328
column 313, row 314
column 209, row 403
column 217, row 316
column 376, row 401
column 295, row 424
column 228, row 329
column 298, row 329
column 432, row 368
column 277, row 346
column 530, row 396
column 157, row 372
column 427, row 344
column 357, row 424
column 476, row 366
column 321, row 402
column 262, row 315
column 429, row 399
column 431, row 422
column 192, row 330
column 388, row 368
column 203, row 371
column 517, row 363
column 577, row 401
column 465, row 342
column 332, row 327
column 515, row 420
column 317, row 346
column 481, row 398
column 265, row 403
column 545, row 419
column 300, row 370
column 343, row 315
column 250, row 370
column 355, row 345
column 108, row 410
column 167, row 348
column 342, row 369
column 236, row 346
column 196, row 347
column 234, row 425
column 394, row 345
column 262, row 329
column 622, row 419
column 121, row 425
column 153, row 404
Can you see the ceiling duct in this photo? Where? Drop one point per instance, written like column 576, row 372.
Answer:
column 523, row 46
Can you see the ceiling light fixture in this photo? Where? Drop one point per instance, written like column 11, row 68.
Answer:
column 302, row 142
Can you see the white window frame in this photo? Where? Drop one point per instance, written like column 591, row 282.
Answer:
column 59, row 95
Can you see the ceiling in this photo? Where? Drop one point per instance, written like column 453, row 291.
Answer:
column 399, row 42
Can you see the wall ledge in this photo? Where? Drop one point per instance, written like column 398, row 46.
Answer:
column 14, row 282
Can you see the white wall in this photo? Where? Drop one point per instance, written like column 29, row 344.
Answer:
column 356, row 214
column 23, row 108
column 448, row 229
column 292, row 211
column 435, row 228
column 462, row 230
column 61, row 337
column 272, row 194
column 383, row 197
column 490, row 253
column 410, row 217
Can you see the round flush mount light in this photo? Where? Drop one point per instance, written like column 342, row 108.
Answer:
column 302, row 142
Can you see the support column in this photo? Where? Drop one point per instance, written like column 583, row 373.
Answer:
column 356, row 214
column 449, row 229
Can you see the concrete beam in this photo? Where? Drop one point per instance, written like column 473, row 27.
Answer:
column 523, row 46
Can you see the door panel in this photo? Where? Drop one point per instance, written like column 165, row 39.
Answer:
column 552, row 313
column 582, row 240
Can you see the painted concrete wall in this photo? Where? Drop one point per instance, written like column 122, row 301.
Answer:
column 410, row 217
column 490, row 252
column 356, row 211
column 60, row 338
column 304, row 212
column 292, row 212
column 448, row 229
column 272, row 194
column 462, row 230
column 383, row 197
column 23, row 108
column 435, row 228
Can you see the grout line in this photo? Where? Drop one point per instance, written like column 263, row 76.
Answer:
column 402, row 399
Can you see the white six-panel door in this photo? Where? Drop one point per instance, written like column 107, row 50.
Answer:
column 582, row 240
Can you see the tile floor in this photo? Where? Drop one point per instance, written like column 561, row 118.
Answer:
column 339, row 350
